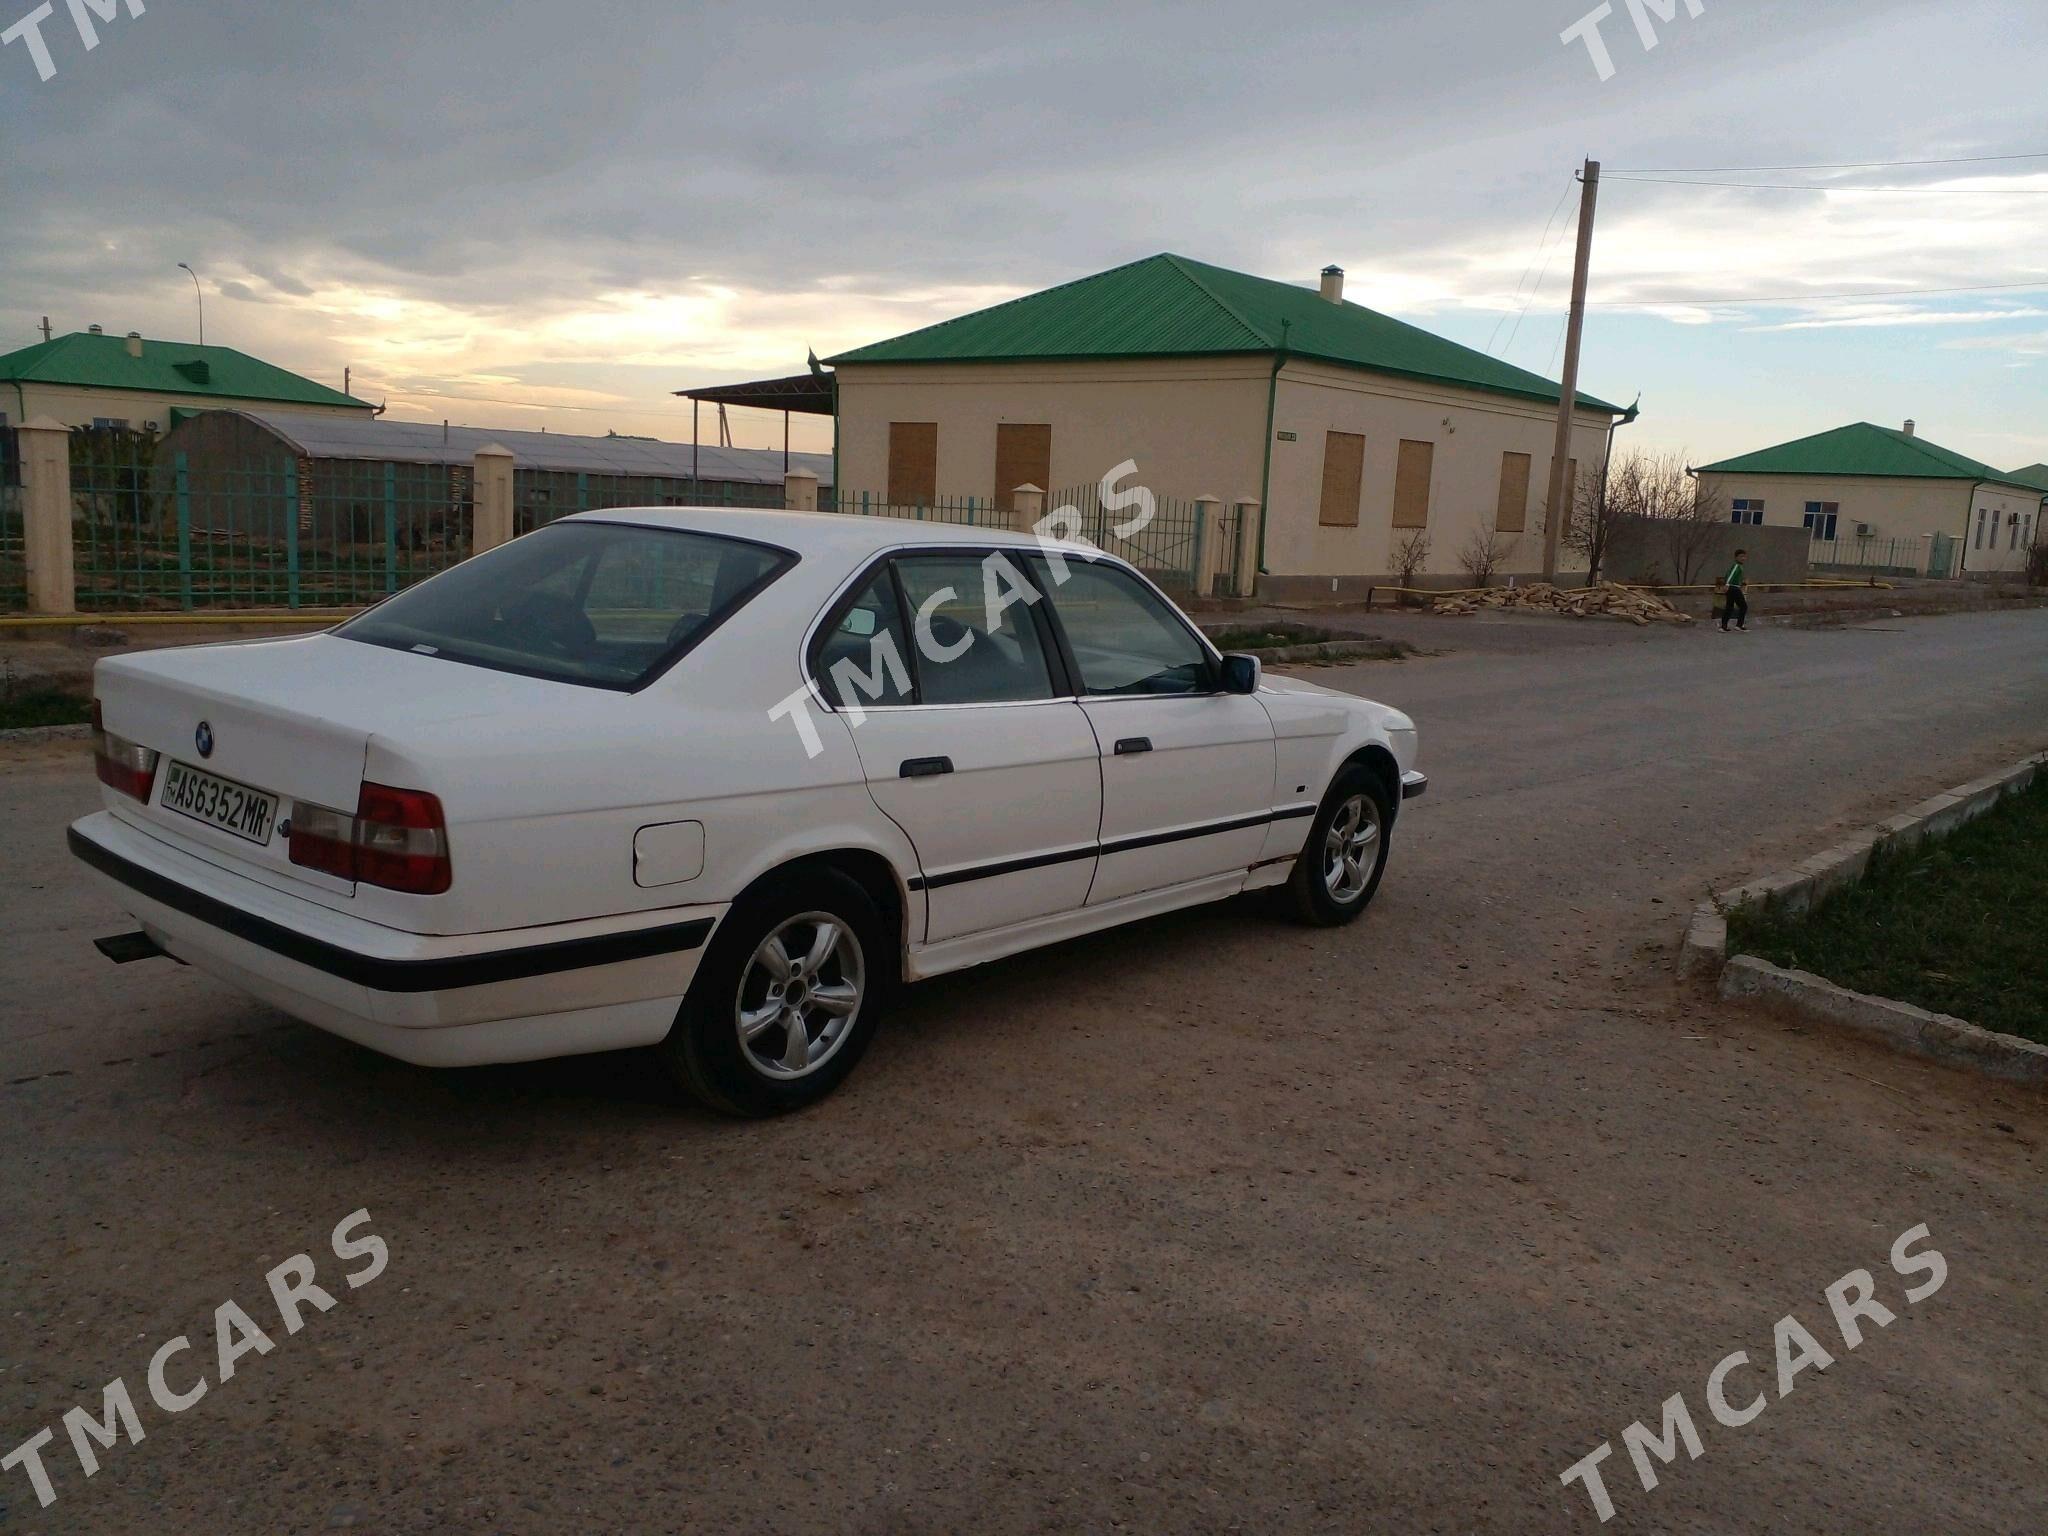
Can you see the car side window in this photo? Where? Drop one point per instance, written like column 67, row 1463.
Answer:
column 1124, row 638
column 973, row 633
column 866, row 655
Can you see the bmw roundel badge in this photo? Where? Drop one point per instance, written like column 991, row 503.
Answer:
column 203, row 739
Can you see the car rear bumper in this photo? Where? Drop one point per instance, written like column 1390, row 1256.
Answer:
column 437, row 1000
column 1413, row 784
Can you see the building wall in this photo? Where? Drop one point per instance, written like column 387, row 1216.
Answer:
column 1194, row 426
column 1470, row 431
column 76, row 406
column 1894, row 508
column 2004, row 503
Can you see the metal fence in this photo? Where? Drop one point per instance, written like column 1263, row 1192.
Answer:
column 13, row 538
column 1885, row 557
column 151, row 531
column 1165, row 546
column 539, row 496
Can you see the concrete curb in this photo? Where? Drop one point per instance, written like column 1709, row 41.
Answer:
column 1336, row 650
column 1704, row 953
column 47, row 733
column 1897, row 1024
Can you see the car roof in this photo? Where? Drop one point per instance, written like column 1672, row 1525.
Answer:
column 841, row 533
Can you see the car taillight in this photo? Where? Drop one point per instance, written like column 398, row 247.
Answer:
column 121, row 764
column 397, row 839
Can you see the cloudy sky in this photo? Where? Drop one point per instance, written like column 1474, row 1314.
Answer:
column 523, row 214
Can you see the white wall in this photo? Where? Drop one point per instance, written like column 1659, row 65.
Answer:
column 1895, row 508
column 75, row 406
column 1470, row 431
column 1194, row 425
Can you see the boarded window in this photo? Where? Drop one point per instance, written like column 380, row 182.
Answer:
column 1343, row 475
column 1023, row 457
column 1411, row 484
column 1512, row 514
column 913, row 463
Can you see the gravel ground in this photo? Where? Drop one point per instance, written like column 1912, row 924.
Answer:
column 1209, row 1224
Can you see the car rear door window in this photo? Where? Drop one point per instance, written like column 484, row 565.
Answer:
column 975, row 637
column 864, row 658
column 1124, row 637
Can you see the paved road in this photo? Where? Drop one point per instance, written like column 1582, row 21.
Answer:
column 1212, row 1224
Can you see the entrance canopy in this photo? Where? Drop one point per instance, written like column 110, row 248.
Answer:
column 806, row 394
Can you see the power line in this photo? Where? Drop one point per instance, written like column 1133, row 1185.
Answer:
column 1542, row 242
column 1816, row 186
column 1801, row 298
column 1515, row 329
column 1845, row 165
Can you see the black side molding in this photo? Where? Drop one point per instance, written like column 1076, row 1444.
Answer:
column 386, row 975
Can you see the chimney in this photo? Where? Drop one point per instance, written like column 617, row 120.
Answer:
column 1333, row 284
column 95, row 330
column 135, row 343
column 1909, row 426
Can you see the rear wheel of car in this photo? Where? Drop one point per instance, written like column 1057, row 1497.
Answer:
column 787, row 997
column 1340, row 866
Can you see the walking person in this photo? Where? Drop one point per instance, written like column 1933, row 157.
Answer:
column 1736, row 604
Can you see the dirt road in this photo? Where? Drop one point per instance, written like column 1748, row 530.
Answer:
column 1211, row 1224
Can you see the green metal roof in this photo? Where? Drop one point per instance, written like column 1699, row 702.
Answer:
column 1169, row 306
column 1862, row 449
column 165, row 368
column 2034, row 476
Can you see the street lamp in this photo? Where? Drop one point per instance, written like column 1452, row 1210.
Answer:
column 201, row 297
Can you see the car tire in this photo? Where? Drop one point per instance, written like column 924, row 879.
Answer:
column 732, row 1046
column 1338, row 871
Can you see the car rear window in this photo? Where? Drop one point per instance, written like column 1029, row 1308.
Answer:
column 608, row 605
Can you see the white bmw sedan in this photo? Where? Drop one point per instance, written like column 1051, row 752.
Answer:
column 713, row 782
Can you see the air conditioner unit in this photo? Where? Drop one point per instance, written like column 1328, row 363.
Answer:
column 1865, row 531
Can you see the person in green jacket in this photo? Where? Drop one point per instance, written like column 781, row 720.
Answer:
column 1736, row 606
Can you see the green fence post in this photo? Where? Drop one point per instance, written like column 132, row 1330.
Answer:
column 291, row 534
column 582, row 490
column 184, row 484
column 390, row 528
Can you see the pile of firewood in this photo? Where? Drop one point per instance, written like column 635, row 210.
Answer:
column 1605, row 599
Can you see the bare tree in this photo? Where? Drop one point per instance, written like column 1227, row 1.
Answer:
column 2037, row 558
column 1600, row 509
column 1683, row 522
column 1482, row 556
column 1411, row 553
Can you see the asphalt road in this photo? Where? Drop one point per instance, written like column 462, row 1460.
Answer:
column 1211, row 1224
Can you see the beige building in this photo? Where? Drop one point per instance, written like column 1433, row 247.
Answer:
column 1357, row 431
column 1875, row 498
column 90, row 379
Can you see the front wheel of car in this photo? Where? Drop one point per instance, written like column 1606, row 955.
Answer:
column 787, row 997
column 1340, row 866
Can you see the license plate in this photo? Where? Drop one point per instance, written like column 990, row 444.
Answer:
column 248, row 813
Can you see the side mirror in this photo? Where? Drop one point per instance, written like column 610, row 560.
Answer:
column 1240, row 673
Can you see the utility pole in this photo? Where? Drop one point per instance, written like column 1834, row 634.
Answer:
column 1555, row 511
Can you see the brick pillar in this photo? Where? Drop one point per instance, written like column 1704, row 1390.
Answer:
column 1248, row 513
column 491, row 490
column 1027, row 503
column 800, row 491
column 46, row 516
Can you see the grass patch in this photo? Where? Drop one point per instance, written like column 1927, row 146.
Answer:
column 43, row 706
column 1954, row 925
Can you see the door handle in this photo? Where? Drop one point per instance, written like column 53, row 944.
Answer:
column 925, row 767
column 1131, row 744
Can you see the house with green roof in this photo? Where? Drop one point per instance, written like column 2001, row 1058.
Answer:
column 1879, row 497
column 89, row 378
column 1332, row 434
